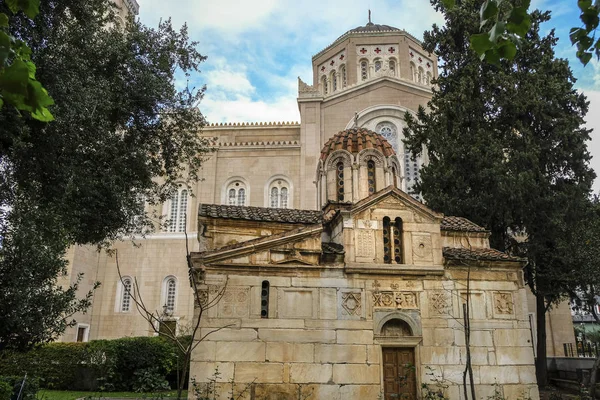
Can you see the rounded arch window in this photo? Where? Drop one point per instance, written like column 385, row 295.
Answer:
column 411, row 172
column 392, row 67
column 324, row 85
column 178, row 210
column 169, row 294
column 236, row 193
column 279, row 193
column 396, row 328
column 333, row 79
column 364, row 70
column 389, row 131
column 378, row 64
column 343, row 75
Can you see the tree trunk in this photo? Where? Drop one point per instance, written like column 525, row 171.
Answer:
column 184, row 369
column 593, row 374
column 541, row 367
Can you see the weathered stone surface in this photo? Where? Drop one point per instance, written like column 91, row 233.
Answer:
column 521, row 391
column 354, row 336
column 373, row 354
column 494, row 374
column 514, row 356
column 439, row 336
column 339, row 353
column 262, row 373
column 227, row 334
column 478, row 338
column 205, row 351
column 328, row 304
column 290, row 352
column 454, row 374
column 527, row 374
column 359, row 392
column 329, row 392
column 440, row 355
column 356, row 373
column 512, row 337
column 338, row 324
column 310, row 373
column 272, row 323
column 204, row 371
column 276, row 391
column 297, row 335
column 240, row 351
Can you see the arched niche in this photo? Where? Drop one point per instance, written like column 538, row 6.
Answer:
column 409, row 319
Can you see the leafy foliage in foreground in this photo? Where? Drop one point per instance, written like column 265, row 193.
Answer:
column 124, row 133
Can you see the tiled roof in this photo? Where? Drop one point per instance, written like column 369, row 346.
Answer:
column 332, row 248
column 371, row 27
column 460, row 224
column 282, row 215
column 356, row 139
column 477, row 254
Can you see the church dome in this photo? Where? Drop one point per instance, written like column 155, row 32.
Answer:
column 371, row 27
column 355, row 140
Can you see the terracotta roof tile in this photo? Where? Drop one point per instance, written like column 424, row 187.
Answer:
column 460, row 224
column 356, row 139
column 452, row 253
column 283, row 215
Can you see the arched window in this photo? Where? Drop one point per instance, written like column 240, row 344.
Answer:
column 389, row 131
column 371, row 176
column 324, row 85
column 339, row 186
column 378, row 64
column 236, row 193
column 420, row 80
column 333, row 79
column 411, row 172
column 279, row 191
column 178, row 211
column 413, row 72
column 392, row 67
column 394, row 176
column 125, row 294
column 364, row 70
column 343, row 75
column 428, row 78
column 264, row 300
column 170, row 295
column 387, row 241
column 398, row 240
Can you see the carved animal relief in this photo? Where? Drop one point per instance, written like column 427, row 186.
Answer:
column 503, row 303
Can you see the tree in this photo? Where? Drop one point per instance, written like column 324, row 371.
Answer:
column 124, row 132
column 507, row 149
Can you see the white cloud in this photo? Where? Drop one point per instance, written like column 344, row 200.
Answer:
column 244, row 109
column 229, row 82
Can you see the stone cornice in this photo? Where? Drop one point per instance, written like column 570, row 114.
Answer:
column 251, row 125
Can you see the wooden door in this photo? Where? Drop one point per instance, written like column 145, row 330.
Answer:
column 399, row 373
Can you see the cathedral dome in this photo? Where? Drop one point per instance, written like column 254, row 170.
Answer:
column 371, row 27
column 355, row 140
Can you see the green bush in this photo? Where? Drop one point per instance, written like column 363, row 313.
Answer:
column 10, row 386
column 106, row 365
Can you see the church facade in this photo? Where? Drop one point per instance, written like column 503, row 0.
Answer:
column 364, row 284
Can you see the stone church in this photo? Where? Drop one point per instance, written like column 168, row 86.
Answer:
column 334, row 279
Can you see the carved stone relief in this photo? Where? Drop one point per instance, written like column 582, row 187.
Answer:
column 503, row 303
column 392, row 299
column 395, row 328
column 351, row 303
column 234, row 303
column 439, row 303
column 422, row 248
column 365, row 243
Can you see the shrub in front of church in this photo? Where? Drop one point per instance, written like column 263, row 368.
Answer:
column 131, row 364
column 11, row 386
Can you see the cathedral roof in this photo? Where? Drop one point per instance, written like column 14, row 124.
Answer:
column 355, row 140
column 283, row 215
column 477, row 254
column 371, row 27
column 460, row 224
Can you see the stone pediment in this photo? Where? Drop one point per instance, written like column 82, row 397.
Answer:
column 300, row 246
column 394, row 199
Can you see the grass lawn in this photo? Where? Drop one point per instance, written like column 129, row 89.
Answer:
column 69, row 395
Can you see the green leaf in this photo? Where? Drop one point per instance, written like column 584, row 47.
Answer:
column 492, row 57
column 497, row 31
column 576, row 34
column 507, row 50
column 31, row 8
column 3, row 20
column 5, row 49
column 584, row 4
column 448, row 3
column 481, row 43
column 590, row 18
column 519, row 21
column 584, row 57
column 14, row 79
column 488, row 10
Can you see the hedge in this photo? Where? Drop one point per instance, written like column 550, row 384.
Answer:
column 10, row 386
column 129, row 364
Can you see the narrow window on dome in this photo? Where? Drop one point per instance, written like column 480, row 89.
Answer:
column 371, row 176
column 394, row 178
column 364, row 68
column 387, row 241
column 340, row 181
column 264, row 300
column 398, row 240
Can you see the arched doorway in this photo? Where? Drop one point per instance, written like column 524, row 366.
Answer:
column 399, row 367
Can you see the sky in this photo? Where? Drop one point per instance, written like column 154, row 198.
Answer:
column 257, row 49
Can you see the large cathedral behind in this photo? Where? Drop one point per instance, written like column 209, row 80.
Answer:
column 339, row 279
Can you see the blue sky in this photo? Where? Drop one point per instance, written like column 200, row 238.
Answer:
column 257, row 49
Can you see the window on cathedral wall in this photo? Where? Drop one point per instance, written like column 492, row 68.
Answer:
column 236, row 194
column 378, row 64
column 392, row 240
column 279, row 194
column 392, row 67
column 339, row 183
column 394, row 176
column 126, row 288
column 420, row 75
column 411, row 170
column 390, row 132
column 364, row 70
column 169, row 294
column 413, row 71
column 333, row 79
column 343, row 75
column 428, row 78
column 178, row 210
column 324, row 85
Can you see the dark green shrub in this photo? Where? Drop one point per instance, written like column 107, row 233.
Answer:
column 11, row 385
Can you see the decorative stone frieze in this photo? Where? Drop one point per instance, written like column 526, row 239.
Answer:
column 398, row 300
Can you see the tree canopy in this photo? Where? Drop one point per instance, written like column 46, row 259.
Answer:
column 506, row 145
column 124, row 133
